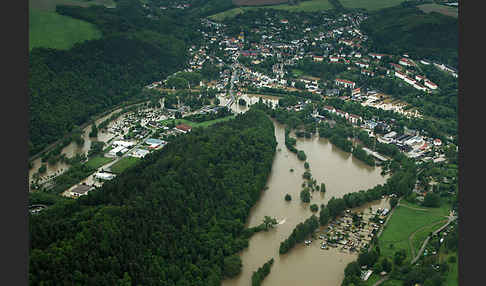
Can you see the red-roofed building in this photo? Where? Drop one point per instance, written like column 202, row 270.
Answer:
column 333, row 59
column 318, row 58
column 342, row 113
column 405, row 62
column 396, row 67
column 430, row 84
column 183, row 128
column 362, row 65
column 400, row 75
column 367, row 72
column 437, row 142
column 329, row 109
column 356, row 92
column 345, row 83
column 354, row 118
column 378, row 56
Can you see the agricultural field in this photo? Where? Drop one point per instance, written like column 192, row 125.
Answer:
column 124, row 164
column 306, row 6
column 370, row 5
column 50, row 5
column 407, row 220
column 448, row 11
column 258, row 2
column 51, row 30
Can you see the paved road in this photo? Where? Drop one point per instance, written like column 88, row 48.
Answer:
column 451, row 218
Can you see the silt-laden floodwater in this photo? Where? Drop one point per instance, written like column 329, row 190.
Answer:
column 303, row 265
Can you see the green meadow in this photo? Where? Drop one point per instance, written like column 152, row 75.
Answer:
column 370, row 5
column 306, row 6
column 51, row 30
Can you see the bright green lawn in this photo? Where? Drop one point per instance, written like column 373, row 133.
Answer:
column 51, row 30
column 98, row 161
column 306, row 6
column 50, row 5
column 370, row 5
column 124, row 164
column 404, row 222
column 199, row 124
column 420, row 236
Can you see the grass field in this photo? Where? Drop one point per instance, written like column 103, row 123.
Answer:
column 448, row 11
column 306, row 6
column 51, row 30
column 98, row 161
column 50, row 5
column 199, row 124
column 370, row 5
column 124, row 164
column 404, row 222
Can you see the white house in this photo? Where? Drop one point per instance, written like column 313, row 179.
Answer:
column 430, row 84
column 113, row 152
column 345, row 83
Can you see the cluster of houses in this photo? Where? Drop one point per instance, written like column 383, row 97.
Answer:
column 353, row 235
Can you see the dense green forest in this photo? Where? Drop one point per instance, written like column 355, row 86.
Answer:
column 67, row 88
column 176, row 218
column 407, row 29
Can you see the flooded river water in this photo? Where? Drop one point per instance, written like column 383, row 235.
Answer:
column 303, row 265
column 72, row 149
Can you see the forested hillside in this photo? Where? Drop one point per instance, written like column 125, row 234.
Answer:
column 66, row 88
column 403, row 29
column 176, row 218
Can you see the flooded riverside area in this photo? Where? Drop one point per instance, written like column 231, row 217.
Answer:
column 72, row 149
column 304, row 264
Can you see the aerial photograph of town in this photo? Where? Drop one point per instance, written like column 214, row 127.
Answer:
column 243, row 142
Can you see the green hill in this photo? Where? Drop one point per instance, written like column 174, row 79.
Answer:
column 409, row 30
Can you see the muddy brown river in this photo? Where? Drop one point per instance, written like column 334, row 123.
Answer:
column 303, row 265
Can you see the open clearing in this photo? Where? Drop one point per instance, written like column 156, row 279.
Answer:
column 124, row 164
column 370, row 5
column 257, row 2
column 448, row 11
column 199, row 124
column 50, row 5
column 98, row 161
column 51, row 30
column 406, row 220
column 306, row 6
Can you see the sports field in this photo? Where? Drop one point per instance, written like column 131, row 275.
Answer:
column 370, row 5
column 306, row 6
column 51, row 30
